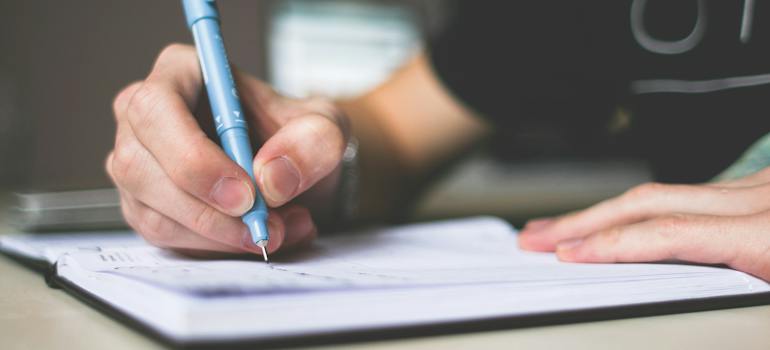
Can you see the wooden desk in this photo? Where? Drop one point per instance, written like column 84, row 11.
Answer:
column 33, row 316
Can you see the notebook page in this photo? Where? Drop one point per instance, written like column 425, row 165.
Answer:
column 462, row 269
column 49, row 246
column 454, row 253
column 427, row 255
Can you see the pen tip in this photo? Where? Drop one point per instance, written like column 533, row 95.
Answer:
column 264, row 254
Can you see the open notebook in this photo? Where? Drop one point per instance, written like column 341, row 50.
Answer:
column 437, row 277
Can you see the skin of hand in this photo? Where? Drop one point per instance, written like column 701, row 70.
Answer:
column 716, row 223
column 179, row 189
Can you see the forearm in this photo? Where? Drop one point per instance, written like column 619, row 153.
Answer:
column 406, row 128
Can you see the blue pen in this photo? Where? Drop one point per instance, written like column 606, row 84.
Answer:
column 203, row 20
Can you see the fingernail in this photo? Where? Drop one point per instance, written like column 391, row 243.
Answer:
column 280, row 180
column 275, row 241
column 569, row 244
column 537, row 224
column 248, row 242
column 233, row 195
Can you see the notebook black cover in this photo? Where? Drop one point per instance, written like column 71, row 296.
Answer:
column 444, row 328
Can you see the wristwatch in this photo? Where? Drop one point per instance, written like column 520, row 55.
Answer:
column 346, row 196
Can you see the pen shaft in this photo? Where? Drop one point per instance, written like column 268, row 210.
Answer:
column 203, row 19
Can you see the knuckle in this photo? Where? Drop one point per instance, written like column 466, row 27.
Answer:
column 612, row 236
column 125, row 161
column 645, row 190
column 331, row 111
column 191, row 168
column 128, row 163
column 108, row 164
column 327, row 142
column 120, row 102
column 204, row 220
column 604, row 245
column 156, row 228
column 175, row 54
column 143, row 103
column 174, row 50
column 327, row 135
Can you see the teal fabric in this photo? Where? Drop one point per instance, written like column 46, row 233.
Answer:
column 756, row 158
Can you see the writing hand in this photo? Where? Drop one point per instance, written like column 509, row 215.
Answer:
column 180, row 190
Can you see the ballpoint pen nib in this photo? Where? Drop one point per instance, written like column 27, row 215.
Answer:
column 264, row 255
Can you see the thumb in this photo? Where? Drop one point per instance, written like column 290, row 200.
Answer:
column 305, row 150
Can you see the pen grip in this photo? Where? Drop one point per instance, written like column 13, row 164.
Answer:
column 223, row 98
column 225, row 106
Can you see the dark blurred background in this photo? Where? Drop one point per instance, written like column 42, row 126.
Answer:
column 63, row 61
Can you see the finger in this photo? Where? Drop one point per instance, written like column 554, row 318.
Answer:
column 162, row 231
column 641, row 203
column 300, row 228
column 733, row 241
column 537, row 224
column 275, row 244
column 120, row 103
column 137, row 173
column 678, row 237
column 159, row 116
column 271, row 110
column 268, row 109
column 153, row 186
column 306, row 138
column 301, row 153
column 277, row 233
column 165, row 232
